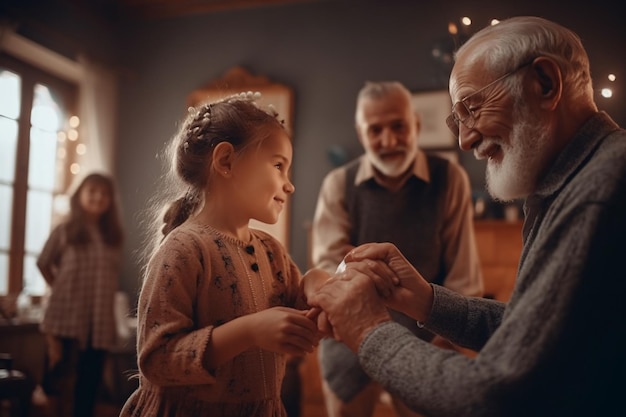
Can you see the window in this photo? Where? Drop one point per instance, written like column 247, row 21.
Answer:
column 39, row 142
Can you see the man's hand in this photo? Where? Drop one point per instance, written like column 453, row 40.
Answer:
column 412, row 295
column 352, row 306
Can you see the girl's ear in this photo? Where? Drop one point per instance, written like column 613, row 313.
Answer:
column 223, row 156
column 549, row 82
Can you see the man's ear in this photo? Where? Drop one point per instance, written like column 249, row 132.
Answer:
column 359, row 134
column 548, row 81
column 223, row 157
column 418, row 123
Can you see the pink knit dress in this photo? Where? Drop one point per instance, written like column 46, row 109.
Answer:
column 198, row 279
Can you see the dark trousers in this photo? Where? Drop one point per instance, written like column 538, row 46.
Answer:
column 75, row 380
column 291, row 392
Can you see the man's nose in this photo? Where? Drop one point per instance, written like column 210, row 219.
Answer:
column 468, row 137
column 388, row 139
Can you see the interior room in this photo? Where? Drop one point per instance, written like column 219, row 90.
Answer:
column 129, row 70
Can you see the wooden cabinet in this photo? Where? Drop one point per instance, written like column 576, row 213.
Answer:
column 26, row 345
column 499, row 247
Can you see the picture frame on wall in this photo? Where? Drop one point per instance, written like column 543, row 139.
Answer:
column 433, row 107
column 450, row 154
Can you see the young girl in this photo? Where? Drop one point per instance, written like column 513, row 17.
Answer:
column 222, row 304
column 81, row 262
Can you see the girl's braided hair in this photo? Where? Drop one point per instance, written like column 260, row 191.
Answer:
column 236, row 119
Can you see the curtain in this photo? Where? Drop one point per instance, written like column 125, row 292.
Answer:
column 97, row 108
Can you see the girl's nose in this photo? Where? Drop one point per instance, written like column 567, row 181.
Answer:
column 289, row 187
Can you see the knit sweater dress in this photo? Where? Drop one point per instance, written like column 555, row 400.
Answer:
column 197, row 280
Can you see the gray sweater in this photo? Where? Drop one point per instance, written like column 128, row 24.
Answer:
column 558, row 347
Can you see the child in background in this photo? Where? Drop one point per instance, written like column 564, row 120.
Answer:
column 80, row 261
column 222, row 305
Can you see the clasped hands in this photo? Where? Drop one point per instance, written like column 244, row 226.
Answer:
column 351, row 303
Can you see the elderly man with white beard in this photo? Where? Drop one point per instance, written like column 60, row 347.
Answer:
column 393, row 192
column 524, row 101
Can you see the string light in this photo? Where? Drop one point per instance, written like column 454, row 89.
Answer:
column 74, row 122
column 72, row 134
column 443, row 50
column 607, row 92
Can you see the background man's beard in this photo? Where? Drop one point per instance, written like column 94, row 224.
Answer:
column 393, row 169
column 523, row 159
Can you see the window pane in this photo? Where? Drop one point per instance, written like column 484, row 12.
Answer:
column 6, row 202
column 46, row 113
column 10, row 91
column 8, row 144
column 34, row 284
column 38, row 224
column 38, row 220
column 4, row 273
column 41, row 165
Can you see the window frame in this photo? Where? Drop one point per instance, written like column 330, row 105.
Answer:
column 67, row 92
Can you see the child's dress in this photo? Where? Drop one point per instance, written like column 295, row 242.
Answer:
column 198, row 279
column 83, row 292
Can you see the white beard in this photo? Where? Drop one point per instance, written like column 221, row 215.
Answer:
column 523, row 158
column 394, row 168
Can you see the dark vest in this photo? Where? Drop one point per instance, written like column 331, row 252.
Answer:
column 411, row 218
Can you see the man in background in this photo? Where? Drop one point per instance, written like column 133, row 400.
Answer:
column 396, row 193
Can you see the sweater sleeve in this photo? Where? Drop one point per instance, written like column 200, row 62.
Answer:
column 170, row 348
column 545, row 354
column 50, row 255
column 466, row 321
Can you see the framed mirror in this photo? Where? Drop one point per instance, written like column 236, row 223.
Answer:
column 280, row 96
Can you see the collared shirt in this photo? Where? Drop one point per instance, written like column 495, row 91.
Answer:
column 331, row 225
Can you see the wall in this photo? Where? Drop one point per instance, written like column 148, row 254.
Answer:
column 324, row 50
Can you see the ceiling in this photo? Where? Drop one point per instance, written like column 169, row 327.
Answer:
column 162, row 9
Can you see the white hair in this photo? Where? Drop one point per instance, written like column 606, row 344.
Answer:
column 512, row 42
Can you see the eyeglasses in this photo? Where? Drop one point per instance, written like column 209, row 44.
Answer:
column 461, row 111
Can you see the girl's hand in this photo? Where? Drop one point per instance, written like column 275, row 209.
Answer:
column 312, row 280
column 324, row 327
column 285, row 330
